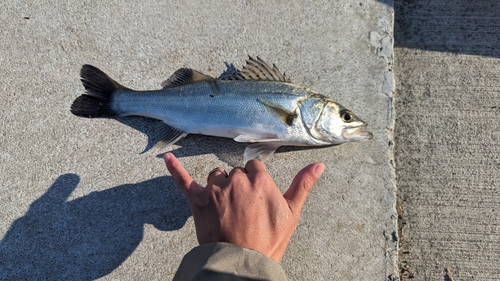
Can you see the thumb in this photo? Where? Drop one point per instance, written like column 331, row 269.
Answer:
column 185, row 182
column 301, row 186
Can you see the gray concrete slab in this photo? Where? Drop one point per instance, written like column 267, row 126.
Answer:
column 78, row 199
column 447, row 135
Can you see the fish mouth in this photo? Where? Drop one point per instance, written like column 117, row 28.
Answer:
column 357, row 133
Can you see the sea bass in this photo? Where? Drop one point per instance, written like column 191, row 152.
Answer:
column 256, row 104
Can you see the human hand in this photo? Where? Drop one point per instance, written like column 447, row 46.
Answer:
column 245, row 208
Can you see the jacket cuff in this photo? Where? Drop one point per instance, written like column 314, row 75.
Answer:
column 225, row 261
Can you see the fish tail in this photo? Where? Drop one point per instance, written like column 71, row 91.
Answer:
column 100, row 89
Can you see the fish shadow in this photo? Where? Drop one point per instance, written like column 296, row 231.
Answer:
column 225, row 149
column 90, row 236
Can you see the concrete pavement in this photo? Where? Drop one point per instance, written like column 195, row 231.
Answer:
column 80, row 202
column 447, row 135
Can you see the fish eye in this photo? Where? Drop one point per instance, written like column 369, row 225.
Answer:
column 346, row 115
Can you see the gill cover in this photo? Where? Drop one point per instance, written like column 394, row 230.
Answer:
column 310, row 111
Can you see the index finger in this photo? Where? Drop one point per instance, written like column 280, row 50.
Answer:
column 185, row 182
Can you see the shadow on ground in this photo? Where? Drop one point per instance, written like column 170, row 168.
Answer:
column 88, row 237
column 455, row 26
column 225, row 149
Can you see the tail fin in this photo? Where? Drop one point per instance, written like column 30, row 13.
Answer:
column 97, row 101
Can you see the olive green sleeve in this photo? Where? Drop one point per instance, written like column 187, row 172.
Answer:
column 224, row 261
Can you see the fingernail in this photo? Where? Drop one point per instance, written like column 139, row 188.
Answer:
column 319, row 169
column 167, row 156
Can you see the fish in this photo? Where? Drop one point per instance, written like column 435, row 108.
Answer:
column 256, row 104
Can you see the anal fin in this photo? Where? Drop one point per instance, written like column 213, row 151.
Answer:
column 260, row 150
column 167, row 135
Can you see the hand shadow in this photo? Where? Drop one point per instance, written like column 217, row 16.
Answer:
column 88, row 237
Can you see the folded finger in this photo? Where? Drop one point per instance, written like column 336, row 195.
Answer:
column 217, row 175
column 255, row 166
column 236, row 171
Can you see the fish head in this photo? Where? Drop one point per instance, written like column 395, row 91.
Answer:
column 331, row 123
column 340, row 124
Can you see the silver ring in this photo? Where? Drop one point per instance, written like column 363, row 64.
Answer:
column 218, row 169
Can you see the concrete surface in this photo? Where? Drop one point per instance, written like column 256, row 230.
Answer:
column 80, row 202
column 447, row 134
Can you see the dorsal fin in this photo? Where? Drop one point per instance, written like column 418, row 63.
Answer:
column 257, row 69
column 185, row 76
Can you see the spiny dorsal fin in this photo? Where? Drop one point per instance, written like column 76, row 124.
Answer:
column 257, row 69
column 185, row 76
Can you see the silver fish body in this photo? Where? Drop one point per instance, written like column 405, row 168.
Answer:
column 268, row 112
column 232, row 109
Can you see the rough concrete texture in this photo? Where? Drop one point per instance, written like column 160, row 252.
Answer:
column 447, row 134
column 80, row 202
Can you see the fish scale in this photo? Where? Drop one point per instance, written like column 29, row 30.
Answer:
column 198, row 108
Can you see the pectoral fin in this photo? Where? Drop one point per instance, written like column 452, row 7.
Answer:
column 286, row 116
column 255, row 138
column 260, row 150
